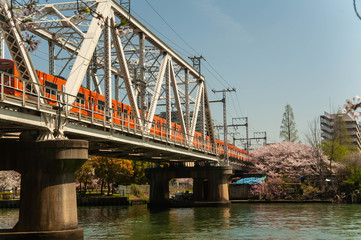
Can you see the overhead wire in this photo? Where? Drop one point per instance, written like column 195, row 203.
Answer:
column 171, row 27
column 217, row 76
column 155, row 29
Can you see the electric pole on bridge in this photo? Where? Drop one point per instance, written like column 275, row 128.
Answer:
column 256, row 136
column 236, row 125
column 197, row 62
column 223, row 100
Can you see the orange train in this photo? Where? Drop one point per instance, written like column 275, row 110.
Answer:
column 92, row 104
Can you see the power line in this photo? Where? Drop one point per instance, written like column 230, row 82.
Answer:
column 218, row 74
column 210, row 65
column 171, row 27
column 182, row 49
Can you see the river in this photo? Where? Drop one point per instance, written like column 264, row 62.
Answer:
column 239, row 221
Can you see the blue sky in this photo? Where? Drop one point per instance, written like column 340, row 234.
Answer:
column 305, row 53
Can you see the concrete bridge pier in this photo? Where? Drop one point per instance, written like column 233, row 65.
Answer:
column 210, row 184
column 48, row 207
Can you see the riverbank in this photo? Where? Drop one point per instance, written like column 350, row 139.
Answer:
column 84, row 201
column 125, row 201
column 282, row 201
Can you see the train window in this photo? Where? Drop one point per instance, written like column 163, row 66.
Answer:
column 119, row 111
column 5, row 63
column 9, row 70
column 126, row 112
column 101, row 105
column 51, row 88
column 80, row 98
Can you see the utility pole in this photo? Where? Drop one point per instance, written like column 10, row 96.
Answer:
column 235, row 125
column 223, row 100
column 260, row 136
column 256, row 136
column 197, row 62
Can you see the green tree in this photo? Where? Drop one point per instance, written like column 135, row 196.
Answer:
column 85, row 174
column 139, row 172
column 288, row 128
column 112, row 170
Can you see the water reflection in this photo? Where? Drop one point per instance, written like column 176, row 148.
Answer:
column 8, row 217
column 239, row 221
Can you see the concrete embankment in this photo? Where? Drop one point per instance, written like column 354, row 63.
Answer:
column 85, row 201
column 9, row 203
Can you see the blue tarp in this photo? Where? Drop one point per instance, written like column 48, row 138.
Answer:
column 250, row 181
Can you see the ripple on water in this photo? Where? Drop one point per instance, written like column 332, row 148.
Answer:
column 239, row 221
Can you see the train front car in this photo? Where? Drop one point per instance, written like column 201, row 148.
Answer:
column 9, row 78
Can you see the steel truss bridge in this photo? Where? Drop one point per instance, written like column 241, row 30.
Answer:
column 127, row 63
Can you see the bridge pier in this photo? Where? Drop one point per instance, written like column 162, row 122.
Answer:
column 209, row 184
column 48, row 207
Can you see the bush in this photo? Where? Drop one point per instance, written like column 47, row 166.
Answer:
column 271, row 189
column 309, row 191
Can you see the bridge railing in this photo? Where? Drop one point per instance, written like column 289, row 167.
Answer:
column 85, row 110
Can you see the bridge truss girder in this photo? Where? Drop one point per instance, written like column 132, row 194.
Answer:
column 131, row 66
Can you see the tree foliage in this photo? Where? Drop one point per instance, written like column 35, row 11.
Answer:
column 112, row 171
column 9, row 179
column 288, row 128
column 139, row 172
column 271, row 189
column 289, row 158
column 85, row 174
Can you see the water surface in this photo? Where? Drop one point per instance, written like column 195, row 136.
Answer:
column 239, row 221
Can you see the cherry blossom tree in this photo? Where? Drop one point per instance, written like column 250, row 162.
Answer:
column 9, row 179
column 20, row 13
column 290, row 159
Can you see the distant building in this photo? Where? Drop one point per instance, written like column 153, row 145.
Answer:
column 350, row 126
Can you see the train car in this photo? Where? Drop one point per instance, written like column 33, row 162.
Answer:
column 92, row 104
column 11, row 83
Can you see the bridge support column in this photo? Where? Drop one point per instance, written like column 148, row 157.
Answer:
column 218, row 184
column 48, row 207
column 198, row 189
column 209, row 184
column 159, row 186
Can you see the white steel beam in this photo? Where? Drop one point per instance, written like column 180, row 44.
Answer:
column 168, row 99
column 19, row 53
column 153, row 39
column 208, row 115
column 2, row 45
column 157, row 89
column 51, row 58
column 64, row 20
column 142, row 82
column 196, row 109
column 125, row 72
column 187, row 99
column 96, row 83
column 107, row 68
column 178, row 102
column 86, row 51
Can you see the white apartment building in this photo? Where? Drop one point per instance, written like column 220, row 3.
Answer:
column 353, row 129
